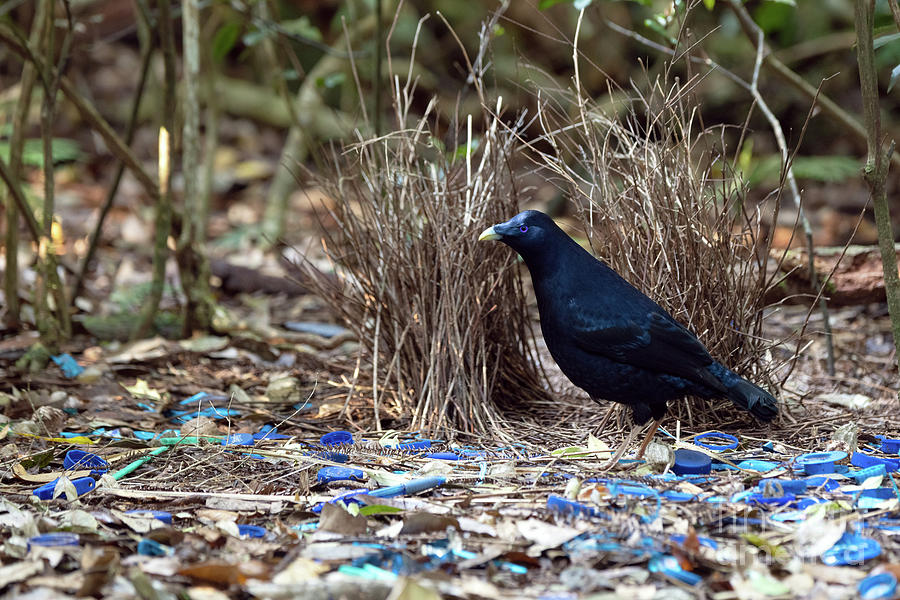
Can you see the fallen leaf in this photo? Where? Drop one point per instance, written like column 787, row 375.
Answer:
column 337, row 520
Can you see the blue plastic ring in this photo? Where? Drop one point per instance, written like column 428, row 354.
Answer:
column 731, row 445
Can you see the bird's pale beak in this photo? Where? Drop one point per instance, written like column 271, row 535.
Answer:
column 489, row 234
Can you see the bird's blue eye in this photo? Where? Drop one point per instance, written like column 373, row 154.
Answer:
column 523, row 228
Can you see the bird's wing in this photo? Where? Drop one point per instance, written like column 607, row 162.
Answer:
column 655, row 342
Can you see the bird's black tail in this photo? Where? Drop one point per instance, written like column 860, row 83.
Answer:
column 752, row 398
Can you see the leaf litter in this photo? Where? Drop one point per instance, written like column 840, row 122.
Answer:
column 227, row 481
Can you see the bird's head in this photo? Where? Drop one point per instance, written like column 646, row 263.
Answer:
column 526, row 233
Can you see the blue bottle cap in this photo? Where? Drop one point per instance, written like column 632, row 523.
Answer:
column 716, row 441
column 82, row 486
column 819, row 463
column 873, row 587
column 329, row 474
column 253, row 531
column 56, row 538
column 159, row 515
column 851, row 549
column 79, row 459
column 691, row 462
column 336, row 438
column 861, row 459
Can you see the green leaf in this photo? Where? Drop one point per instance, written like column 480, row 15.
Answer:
column 303, row 28
column 225, row 39
column 378, row 509
column 895, row 74
column 709, row 4
column 331, row 81
column 545, row 4
column 820, row 168
column 884, row 40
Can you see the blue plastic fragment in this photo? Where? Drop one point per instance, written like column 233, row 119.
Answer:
column 562, row 505
column 779, row 487
column 764, row 500
column 148, row 547
column 329, row 474
column 56, row 538
column 889, row 445
column 326, row 330
column 827, row 484
column 860, row 459
column 863, row 474
column 691, row 462
column 82, row 486
column 253, row 531
column 407, row 446
column 336, row 438
column 874, row 587
column 410, row 487
column 851, row 549
column 443, row 456
column 238, row 439
column 760, row 466
column 68, row 365
column 159, row 515
column 819, row 463
column 712, row 440
column 679, row 538
column 669, row 565
column 79, row 459
column 195, row 398
column 676, row 496
column 267, row 432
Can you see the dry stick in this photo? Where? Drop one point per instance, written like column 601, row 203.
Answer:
column 53, row 330
column 16, row 145
column 878, row 159
column 163, row 219
column 193, row 263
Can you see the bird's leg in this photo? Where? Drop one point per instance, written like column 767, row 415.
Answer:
column 649, row 437
column 631, row 434
column 609, row 413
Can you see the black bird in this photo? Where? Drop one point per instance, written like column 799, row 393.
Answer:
column 609, row 338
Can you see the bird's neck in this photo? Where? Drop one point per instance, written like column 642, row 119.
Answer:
column 567, row 256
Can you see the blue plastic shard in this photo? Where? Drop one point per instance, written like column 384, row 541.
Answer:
column 68, row 365
column 159, row 515
column 329, row 474
column 83, row 485
column 716, row 441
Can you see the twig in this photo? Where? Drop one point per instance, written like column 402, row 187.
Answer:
column 878, row 159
